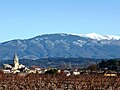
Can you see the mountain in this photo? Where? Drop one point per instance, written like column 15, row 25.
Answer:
column 63, row 45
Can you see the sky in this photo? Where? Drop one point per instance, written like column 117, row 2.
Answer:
column 22, row 19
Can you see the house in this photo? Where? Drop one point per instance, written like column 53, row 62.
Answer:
column 76, row 72
column 6, row 71
column 110, row 74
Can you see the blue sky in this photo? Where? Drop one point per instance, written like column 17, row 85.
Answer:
column 21, row 19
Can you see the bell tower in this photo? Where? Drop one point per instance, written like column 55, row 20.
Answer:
column 16, row 61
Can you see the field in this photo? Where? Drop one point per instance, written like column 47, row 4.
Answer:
column 58, row 82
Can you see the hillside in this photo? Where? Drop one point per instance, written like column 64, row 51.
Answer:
column 63, row 45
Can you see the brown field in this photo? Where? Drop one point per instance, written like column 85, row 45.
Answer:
column 58, row 82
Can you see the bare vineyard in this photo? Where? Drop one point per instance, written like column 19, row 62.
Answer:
column 58, row 82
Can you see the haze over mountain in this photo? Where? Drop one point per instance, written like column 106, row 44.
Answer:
column 63, row 45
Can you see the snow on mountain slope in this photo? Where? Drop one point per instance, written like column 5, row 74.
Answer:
column 98, row 36
column 113, row 37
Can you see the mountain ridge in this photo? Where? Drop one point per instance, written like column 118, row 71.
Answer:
column 62, row 45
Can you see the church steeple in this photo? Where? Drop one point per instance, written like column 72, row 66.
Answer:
column 16, row 61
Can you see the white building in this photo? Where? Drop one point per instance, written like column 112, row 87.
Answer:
column 15, row 66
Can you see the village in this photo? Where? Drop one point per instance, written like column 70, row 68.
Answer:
column 17, row 76
column 18, row 68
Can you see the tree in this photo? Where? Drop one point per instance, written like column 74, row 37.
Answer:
column 93, row 67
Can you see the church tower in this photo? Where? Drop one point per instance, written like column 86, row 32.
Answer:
column 16, row 61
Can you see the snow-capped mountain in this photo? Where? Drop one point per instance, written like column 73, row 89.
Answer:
column 99, row 37
column 63, row 45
